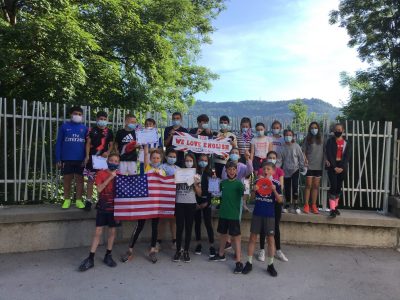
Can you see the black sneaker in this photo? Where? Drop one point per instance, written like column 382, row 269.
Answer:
column 238, row 268
column 186, row 257
column 177, row 256
column 108, row 260
column 247, row 268
column 197, row 251
column 88, row 206
column 271, row 270
column 86, row 264
column 228, row 246
column 212, row 252
column 332, row 214
column 153, row 257
column 337, row 212
column 218, row 258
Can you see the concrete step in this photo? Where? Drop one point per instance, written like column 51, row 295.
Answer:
column 43, row 227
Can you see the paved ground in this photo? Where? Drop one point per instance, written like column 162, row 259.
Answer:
column 312, row 273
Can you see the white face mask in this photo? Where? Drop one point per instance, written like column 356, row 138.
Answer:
column 189, row 164
column 76, row 118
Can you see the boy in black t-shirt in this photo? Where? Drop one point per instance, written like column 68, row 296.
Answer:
column 127, row 147
column 169, row 133
column 99, row 142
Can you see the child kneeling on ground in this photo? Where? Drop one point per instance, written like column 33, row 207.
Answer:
column 229, row 215
column 264, row 218
column 105, row 212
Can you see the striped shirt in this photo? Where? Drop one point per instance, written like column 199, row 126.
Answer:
column 243, row 145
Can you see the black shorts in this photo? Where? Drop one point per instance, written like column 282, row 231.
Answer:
column 226, row 226
column 72, row 167
column 262, row 224
column 106, row 218
column 314, row 173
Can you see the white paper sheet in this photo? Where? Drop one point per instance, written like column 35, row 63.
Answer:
column 99, row 162
column 147, row 136
column 185, row 175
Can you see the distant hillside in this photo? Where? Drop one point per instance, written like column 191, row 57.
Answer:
column 262, row 109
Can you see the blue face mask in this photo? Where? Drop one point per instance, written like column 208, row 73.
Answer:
column 288, row 138
column 132, row 126
column 155, row 165
column 314, row 131
column 234, row 157
column 205, row 126
column 171, row 160
column 276, row 131
column 203, row 164
column 176, row 122
column 260, row 133
column 102, row 123
column 112, row 167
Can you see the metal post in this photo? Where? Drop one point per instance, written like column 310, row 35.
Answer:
column 394, row 169
column 387, row 168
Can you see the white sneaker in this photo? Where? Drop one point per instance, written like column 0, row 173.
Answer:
column 279, row 255
column 298, row 211
column 284, row 210
column 261, row 255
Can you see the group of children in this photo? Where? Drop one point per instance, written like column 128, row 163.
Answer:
column 275, row 161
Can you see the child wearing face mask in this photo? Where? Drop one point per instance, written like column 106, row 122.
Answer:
column 185, row 209
column 204, row 206
column 220, row 161
column 149, row 124
column 70, row 155
column 260, row 146
column 170, row 167
column 278, row 175
column 313, row 148
column 243, row 171
column 277, row 140
column 125, row 141
column 99, row 142
column 244, row 138
column 170, row 131
column 105, row 212
column 338, row 155
column 152, row 164
column 292, row 163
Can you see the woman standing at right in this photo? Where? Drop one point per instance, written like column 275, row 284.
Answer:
column 338, row 154
column 313, row 148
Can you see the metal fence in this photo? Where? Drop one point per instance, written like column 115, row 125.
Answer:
column 28, row 132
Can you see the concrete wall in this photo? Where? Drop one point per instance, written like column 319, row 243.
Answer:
column 36, row 228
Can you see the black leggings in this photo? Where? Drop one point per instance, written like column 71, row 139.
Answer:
column 138, row 229
column 336, row 181
column 207, row 222
column 291, row 184
column 277, row 236
column 184, row 213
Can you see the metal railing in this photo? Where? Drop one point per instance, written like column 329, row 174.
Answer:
column 28, row 132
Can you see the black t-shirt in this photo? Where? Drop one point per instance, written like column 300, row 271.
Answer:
column 123, row 138
column 180, row 155
column 205, row 194
column 203, row 133
column 99, row 140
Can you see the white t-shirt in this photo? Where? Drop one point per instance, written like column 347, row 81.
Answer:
column 261, row 146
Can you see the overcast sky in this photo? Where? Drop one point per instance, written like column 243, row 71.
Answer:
column 278, row 50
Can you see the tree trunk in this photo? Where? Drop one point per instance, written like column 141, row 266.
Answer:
column 9, row 8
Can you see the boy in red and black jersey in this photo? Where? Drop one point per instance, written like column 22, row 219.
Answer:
column 99, row 142
column 105, row 182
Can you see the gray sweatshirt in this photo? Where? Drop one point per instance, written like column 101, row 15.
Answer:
column 292, row 159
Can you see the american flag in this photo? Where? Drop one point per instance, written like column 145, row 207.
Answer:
column 144, row 197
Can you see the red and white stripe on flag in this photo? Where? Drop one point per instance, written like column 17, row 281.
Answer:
column 159, row 203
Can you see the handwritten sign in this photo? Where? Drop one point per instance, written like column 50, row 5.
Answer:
column 147, row 136
column 186, row 142
column 185, row 175
column 99, row 162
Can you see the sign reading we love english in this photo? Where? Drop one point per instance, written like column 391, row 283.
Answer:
column 187, row 142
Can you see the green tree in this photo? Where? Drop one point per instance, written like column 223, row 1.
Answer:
column 137, row 54
column 299, row 110
column 374, row 30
